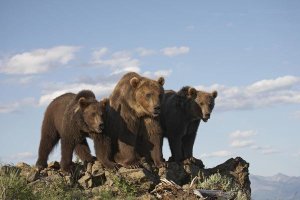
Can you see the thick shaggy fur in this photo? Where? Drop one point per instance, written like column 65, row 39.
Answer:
column 72, row 118
column 132, row 114
column 181, row 114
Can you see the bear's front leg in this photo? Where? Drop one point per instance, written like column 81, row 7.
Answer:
column 126, row 156
column 176, row 148
column 154, row 134
column 188, row 139
column 156, row 152
column 67, row 148
column 83, row 151
column 102, row 144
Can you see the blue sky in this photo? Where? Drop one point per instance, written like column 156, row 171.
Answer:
column 249, row 51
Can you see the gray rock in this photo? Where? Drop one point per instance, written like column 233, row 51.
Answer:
column 89, row 167
column 22, row 165
column 86, row 181
column 97, row 169
column 32, row 175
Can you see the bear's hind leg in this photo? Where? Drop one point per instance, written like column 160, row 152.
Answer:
column 49, row 138
column 67, row 148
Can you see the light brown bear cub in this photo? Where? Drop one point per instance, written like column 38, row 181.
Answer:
column 132, row 119
column 71, row 118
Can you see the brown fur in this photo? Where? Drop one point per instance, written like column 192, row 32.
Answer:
column 181, row 114
column 72, row 118
column 133, row 111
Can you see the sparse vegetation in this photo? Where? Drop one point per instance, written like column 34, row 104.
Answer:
column 23, row 182
column 15, row 187
column 12, row 186
column 60, row 190
column 105, row 195
column 128, row 189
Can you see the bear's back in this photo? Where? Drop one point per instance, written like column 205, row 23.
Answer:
column 56, row 109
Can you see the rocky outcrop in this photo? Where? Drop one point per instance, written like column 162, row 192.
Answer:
column 176, row 181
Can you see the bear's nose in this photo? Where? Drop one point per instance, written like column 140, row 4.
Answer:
column 157, row 108
column 101, row 125
column 207, row 115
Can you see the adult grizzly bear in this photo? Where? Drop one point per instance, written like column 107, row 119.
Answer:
column 181, row 113
column 72, row 118
column 133, row 113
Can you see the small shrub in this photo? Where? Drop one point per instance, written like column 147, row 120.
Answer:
column 218, row 182
column 105, row 195
column 126, row 188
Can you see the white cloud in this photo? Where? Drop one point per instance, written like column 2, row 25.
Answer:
column 190, row 28
column 24, row 80
column 99, row 90
column 145, row 52
column 297, row 154
column 296, row 114
column 118, row 62
column 222, row 153
column 242, row 134
column 241, row 143
column 270, row 151
column 273, row 84
column 266, row 150
column 23, row 156
column 38, row 61
column 15, row 106
column 156, row 74
column 175, row 51
column 264, row 93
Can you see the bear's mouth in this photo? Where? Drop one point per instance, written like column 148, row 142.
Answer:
column 97, row 131
column 205, row 119
column 101, row 127
column 155, row 113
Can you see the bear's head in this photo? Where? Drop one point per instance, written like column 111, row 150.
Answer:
column 204, row 102
column 147, row 95
column 92, row 114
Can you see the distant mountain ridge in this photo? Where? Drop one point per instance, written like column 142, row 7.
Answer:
column 277, row 187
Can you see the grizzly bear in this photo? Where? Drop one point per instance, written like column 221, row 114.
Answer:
column 133, row 113
column 181, row 113
column 72, row 118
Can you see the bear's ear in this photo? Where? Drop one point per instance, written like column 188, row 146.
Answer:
column 192, row 92
column 161, row 81
column 214, row 94
column 134, row 82
column 83, row 103
column 103, row 103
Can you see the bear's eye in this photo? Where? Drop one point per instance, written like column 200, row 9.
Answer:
column 148, row 95
column 94, row 114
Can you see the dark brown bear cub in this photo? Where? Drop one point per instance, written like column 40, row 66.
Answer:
column 72, row 118
column 181, row 114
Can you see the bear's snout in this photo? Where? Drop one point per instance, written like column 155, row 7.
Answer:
column 101, row 126
column 157, row 110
